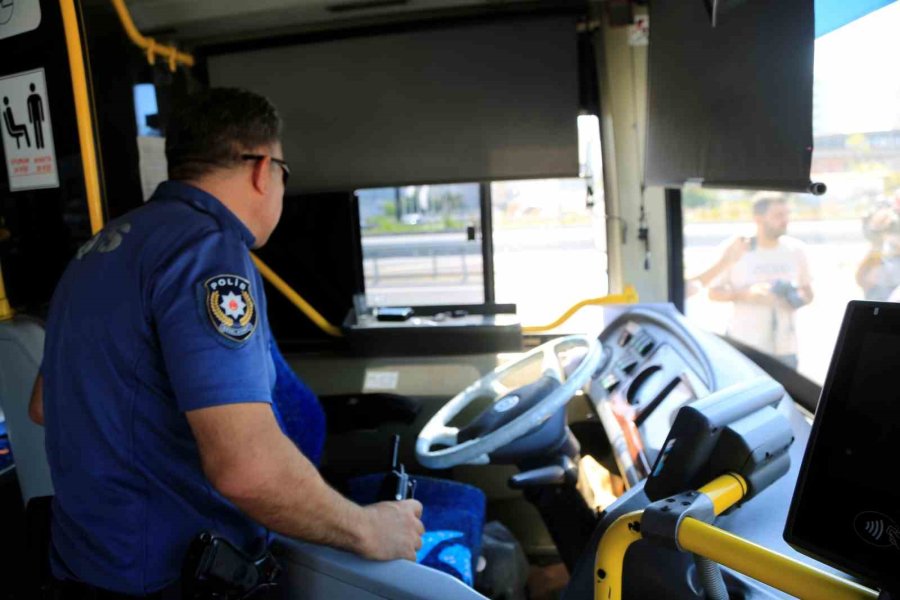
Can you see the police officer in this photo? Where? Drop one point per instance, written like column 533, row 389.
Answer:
column 155, row 388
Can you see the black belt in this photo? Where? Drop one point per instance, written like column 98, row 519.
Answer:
column 213, row 569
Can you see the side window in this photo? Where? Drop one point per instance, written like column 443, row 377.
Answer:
column 545, row 251
column 549, row 248
column 849, row 238
column 422, row 245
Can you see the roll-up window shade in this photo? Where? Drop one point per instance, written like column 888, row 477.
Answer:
column 731, row 106
column 468, row 103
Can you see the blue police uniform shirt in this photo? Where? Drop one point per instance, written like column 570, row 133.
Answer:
column 160, row 313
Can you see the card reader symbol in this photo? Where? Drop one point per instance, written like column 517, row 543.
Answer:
column 877, row 529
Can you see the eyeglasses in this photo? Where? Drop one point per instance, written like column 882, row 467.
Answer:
column 285, row 169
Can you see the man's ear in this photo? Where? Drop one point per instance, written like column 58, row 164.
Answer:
column 260, row 175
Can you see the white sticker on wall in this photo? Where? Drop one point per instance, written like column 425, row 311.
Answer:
column 27, row 131
column 381, row 380
column 19, row 16
column 639, row 31
column 152, row 163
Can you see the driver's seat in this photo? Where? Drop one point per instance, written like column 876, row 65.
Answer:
column 453, row 513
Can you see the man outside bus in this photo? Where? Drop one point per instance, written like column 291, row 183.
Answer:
column 156, row 384
column 767, row 282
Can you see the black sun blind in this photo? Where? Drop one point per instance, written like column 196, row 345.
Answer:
column 731, row 105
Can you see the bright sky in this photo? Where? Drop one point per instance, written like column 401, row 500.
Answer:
column 856, row 76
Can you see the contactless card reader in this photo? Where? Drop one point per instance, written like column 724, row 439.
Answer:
column 846, row 507
column 734, row 430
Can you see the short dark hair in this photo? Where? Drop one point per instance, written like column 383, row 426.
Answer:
column 762, row 202
column 210, row 130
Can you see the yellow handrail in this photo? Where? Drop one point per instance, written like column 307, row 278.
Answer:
column 6, row 311
column 172, row 55
column 610, row 557
column 282, row 286
column 629, row 296
column 767, row 566
column 83, row 114
column 779, row 571
column 724, row 491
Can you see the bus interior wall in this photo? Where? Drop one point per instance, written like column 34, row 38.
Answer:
column 316, row 250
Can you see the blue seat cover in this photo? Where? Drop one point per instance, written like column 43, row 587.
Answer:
column 6, row 457
column 297, row 409
column 453, row 512
column 453, row 516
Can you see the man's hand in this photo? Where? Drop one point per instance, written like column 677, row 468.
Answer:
column 732, row 254
column 758, row 293
column 395, row 530
column 249, row 460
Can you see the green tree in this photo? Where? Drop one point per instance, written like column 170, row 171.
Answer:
column 698, row 197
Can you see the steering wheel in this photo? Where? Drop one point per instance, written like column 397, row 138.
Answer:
column 476, row 451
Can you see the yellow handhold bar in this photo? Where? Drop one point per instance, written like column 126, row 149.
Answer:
column 779, row 571
column 282, row 286
column 610, row 557
column 724, row 491
column 83, row 114
column 767, row 566
column 173, row 56
column 6, row 311
column 629, row 296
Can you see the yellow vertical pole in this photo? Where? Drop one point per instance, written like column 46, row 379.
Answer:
column 83, row 113
column 6, row 311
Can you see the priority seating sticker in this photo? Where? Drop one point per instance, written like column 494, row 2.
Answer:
column 27, row 131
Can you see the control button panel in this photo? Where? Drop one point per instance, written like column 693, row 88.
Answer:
column 610, row 382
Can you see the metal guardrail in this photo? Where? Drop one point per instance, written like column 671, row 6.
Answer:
column 435, row 246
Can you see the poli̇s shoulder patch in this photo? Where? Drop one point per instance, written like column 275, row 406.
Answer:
column 230, row 306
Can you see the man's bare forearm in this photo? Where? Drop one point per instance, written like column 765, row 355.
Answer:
column 249, row 460
column 287, row 495
column 723, row 294
column 279, row 488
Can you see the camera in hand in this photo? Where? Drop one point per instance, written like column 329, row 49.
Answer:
column 788, row 291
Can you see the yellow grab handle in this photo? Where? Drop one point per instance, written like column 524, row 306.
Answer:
column 782, row 572
column 282, row 286
column 83, row 114
column 724, row 491
column 173, row 56
column 629, row 296
column 610, row 557
column 6, row 311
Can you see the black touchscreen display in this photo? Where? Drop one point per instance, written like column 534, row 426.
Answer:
column 846, row 509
